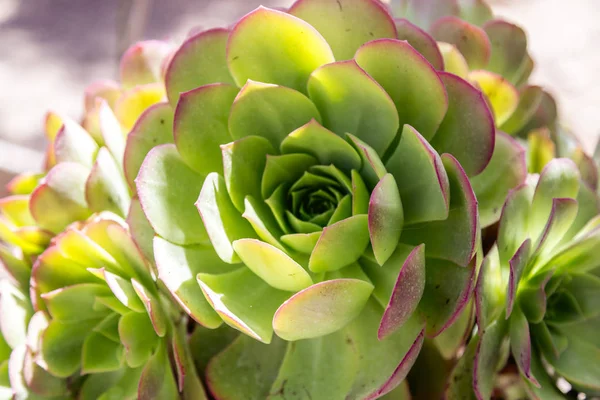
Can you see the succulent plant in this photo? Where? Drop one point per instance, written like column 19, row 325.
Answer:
column 105, row 319
column 538, row 288
column 300, row 191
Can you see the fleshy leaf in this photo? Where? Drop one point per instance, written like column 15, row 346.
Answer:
column 409, row 79
column 346, row 24
column 424, row 197
column 365, row 107
column 200, row 126
column 559, row 179
column 135, row 101
column 487, row 357
column 517, row 263
column 249, row 311
column 138, row 337
column 142, row 63
column 514, row 222
column 74, row 144
column 467, row 131
column 340, row 244
column 157, row 382
column 321, row 368
column 75, row 303
column 421, row 41
column 273, row 265
column 520, row 343
column 425, row 12
column 206, row 52
column 389, row 359
column 448, row 288
column 455, row 238
column 284, row 169
column 60, row 198
column 153, row 128
column 470, row 40
column 509, row 48
column 269, row 110
column 15, row 313
column 406, row 294
column 454, row 62
column 223, row 221
column 100, row 354
column 321, row 309
column 530, row 98
column 274, row 47
column 243, row 165
column 245, row 369
column 503, row 97
column 140, row 229
column 506, row 170
column 312, row 138
column 105, row 188
column 167, row 189
column 177, row 269
column 386, row 217
column 61, row 346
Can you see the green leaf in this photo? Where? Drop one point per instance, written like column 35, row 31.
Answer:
column 346, row 24
column 140, row 229
column 530, row 98
column 502, row 97
column 177, row 269
column 245, row 369
column 110, row 126
column 505, row 171
column 559, row 179
column 157, row 382
column 454, row 238
column 190, row 385
column 328, row 148
column 406, row 292
column 61, row 346
column 340, row 244
column 100, row 354
column 15, row 313
column 74, row 144
column 454, row 62
column 243, row 164
column 514, row 222
column 60, row 197
column 167, row 189
column 219, row 339
column 488, row 357
column 153, row 128
column 270, row 111
column 509, row 48
column 275, row 47
column 425, row 197
column 206, row 51
column 372, row 167
column 322, row 368
column 389, row 360
column 249, row 311
column 409, row 79
column 142, row 62
column 302, row 242
column 75, row 303
column 579, row 256
column 421, row 41
column 517, row 264
column 562, row 215
column 360, row 195
column 105, row 188
column 467, row 131
column 321, row 309
column 120, row 384
column 350, row 101
column 138, row 337
column 153, row 307
column 200, row 126
column 272, row 265
column 520, row 344
column 490, row 292
column 386, row 217
column 285, row 169
column 448, row 288
column 470, row 40
column 222, row 220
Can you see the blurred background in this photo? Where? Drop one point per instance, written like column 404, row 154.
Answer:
column 51, row 49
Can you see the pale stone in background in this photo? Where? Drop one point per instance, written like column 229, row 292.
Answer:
column 51, row 49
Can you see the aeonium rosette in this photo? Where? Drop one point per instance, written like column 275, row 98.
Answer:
column 102, row 329
column 538, row 290
column 315, row 185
